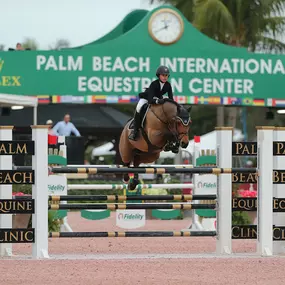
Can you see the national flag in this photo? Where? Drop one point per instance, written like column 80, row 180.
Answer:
column 258, row 102
column 99, row 99
column 112, row 99
column 55, row 99
column 269, row 102
column 88, row 99
column 235, row 101
column 191, row 99
column 279, row 102
column 43, row 99
column 196, row 99
column 203, row 100
column 77, row 99
column 124, row 99
column 247, row 101
column 134, row 99
column 180, row 99
column 225, row 100
column 66, row 99
column 215, row 100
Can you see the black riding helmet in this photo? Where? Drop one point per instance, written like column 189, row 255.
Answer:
column 162, row 70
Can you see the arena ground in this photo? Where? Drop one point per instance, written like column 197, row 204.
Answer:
column 139, row 260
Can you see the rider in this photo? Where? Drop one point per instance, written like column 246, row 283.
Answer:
column 152, row 95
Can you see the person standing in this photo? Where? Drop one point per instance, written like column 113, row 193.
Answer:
column 65, row 127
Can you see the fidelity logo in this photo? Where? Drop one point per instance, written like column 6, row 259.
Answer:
column 206, row 185
column 130, row 216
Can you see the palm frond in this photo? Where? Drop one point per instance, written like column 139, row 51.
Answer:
column 267, row 44
column 213, row 18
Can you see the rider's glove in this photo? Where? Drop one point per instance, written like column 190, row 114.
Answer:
column 159, row 101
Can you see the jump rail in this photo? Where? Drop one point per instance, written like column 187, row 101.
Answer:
column 125, row 186
column 174, row 170
column 131, row 197
column 132, row 234
column 114, row 207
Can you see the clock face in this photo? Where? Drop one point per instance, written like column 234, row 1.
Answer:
column 166, row 26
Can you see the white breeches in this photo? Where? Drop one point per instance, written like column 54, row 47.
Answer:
column 140, row 104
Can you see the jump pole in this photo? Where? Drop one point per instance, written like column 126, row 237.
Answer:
column 125, row 186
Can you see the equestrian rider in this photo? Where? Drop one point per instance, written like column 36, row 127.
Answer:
column 152, row 95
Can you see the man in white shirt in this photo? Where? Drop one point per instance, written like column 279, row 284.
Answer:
column 65, row 127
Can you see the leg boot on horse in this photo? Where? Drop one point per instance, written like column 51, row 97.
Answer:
column 137, row 123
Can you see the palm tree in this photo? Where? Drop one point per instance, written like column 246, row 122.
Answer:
column 252, row 24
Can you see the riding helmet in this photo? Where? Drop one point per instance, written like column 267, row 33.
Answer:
column 162, row 70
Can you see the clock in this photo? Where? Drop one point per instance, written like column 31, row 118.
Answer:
column 166, row 26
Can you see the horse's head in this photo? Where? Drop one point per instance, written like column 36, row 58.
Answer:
column 182, row 122
column 175, row 118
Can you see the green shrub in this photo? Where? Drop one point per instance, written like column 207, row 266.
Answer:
column 53, row 222
column 240, row 218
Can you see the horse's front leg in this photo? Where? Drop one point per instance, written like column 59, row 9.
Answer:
column 175, row 148
column 135, row 181
column 126, row 177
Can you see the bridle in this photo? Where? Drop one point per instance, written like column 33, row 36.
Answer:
column 178, row 136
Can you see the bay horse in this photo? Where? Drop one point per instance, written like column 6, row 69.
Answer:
column 164, row 127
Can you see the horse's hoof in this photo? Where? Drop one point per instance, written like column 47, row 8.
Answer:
column 126, row 178
column 133, row 184
column 176, row 150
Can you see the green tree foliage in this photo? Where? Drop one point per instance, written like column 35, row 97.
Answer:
column 257, row 25
column 30, row 44
column 60, row 44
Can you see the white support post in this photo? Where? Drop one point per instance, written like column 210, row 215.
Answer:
column 195, row 223
column 265, row 191
column 278, row 189
column 40, row 191
column 6, row 190
column 224, row 191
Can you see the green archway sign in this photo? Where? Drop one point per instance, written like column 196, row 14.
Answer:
column 124, row 63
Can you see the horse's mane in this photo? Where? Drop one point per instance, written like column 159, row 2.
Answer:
column 171, row 101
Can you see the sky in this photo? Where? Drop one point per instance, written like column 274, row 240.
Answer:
column 78, row 21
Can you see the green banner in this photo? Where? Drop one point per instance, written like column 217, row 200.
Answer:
column 126, row 64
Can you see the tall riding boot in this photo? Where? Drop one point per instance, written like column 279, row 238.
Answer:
column 137, row 123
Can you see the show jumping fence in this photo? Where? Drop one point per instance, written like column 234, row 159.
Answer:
column 266, row 176
column 37, row 177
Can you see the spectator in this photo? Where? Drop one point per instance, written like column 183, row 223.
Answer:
column 65, row 127
column 19, row 46
column 50, row 130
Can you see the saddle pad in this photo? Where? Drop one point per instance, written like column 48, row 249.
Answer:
column 143, row 116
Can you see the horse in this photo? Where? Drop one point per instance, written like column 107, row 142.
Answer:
column 164, row 127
